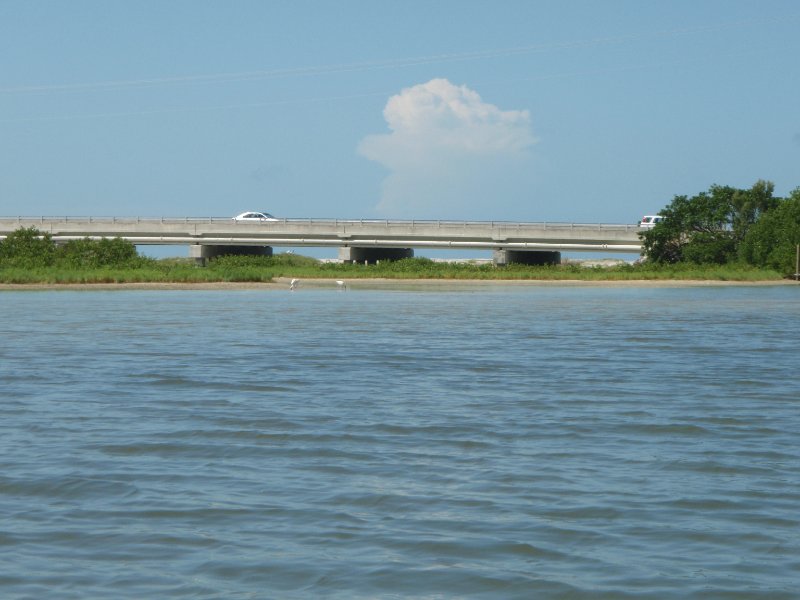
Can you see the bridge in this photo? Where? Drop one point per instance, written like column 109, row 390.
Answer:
column 357, row 239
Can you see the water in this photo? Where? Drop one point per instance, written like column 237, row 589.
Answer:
column 484, row 442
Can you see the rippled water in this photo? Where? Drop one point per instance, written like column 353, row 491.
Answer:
column 490, row 441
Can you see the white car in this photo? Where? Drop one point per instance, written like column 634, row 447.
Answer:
column 254, row 217
column 649, row 221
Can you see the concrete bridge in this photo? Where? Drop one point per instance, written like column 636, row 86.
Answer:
column 357, row 239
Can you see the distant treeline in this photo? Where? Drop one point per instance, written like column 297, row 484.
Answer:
column 726, row 225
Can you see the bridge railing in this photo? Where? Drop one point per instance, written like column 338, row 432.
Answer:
column 442, row 224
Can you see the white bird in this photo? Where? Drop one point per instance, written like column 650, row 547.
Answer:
column 341, row 284
column 293, row 284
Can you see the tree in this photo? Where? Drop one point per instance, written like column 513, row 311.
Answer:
column 708, row 227
column 772, row 241
column 27, row 248
column 750, row 205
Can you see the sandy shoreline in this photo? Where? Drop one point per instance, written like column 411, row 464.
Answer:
column 282, row 283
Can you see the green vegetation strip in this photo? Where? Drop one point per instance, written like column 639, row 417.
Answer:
column 266, row 269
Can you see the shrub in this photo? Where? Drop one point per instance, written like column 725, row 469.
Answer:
column 234, row 261
column 27, row 248
column 93, row 254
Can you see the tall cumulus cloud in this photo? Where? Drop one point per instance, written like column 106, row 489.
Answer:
column 449, row 153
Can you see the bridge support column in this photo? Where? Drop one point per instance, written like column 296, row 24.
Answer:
column 504, row 257
column 202, row 253
column 372, row 254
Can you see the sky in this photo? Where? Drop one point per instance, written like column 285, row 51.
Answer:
column 563, row 110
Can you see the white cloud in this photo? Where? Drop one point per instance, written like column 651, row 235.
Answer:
column 449, row 153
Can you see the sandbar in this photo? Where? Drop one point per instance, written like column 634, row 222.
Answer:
column 282, row 283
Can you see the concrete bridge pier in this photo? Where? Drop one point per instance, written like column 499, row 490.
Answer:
column 203, row 252
column 371, row 255
column 504, row 257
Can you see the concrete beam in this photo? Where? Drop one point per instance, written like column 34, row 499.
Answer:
column 373, row 254
column 503, row 257
column 203, row 252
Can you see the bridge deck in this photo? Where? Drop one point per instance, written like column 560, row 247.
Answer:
column 339, row 232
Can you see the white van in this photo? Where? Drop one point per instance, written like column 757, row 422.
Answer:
column 649, row 221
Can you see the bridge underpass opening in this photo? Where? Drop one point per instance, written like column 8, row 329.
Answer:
column 202, row 252
column 373, row 254
column 526, row 257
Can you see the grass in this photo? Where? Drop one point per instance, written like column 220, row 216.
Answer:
column 265, row 269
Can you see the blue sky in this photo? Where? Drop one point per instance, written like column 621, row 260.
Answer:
column 581, row 111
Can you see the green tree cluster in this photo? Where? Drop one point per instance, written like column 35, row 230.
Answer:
column 727, row 225
column 772, row 241
column 28, row 248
